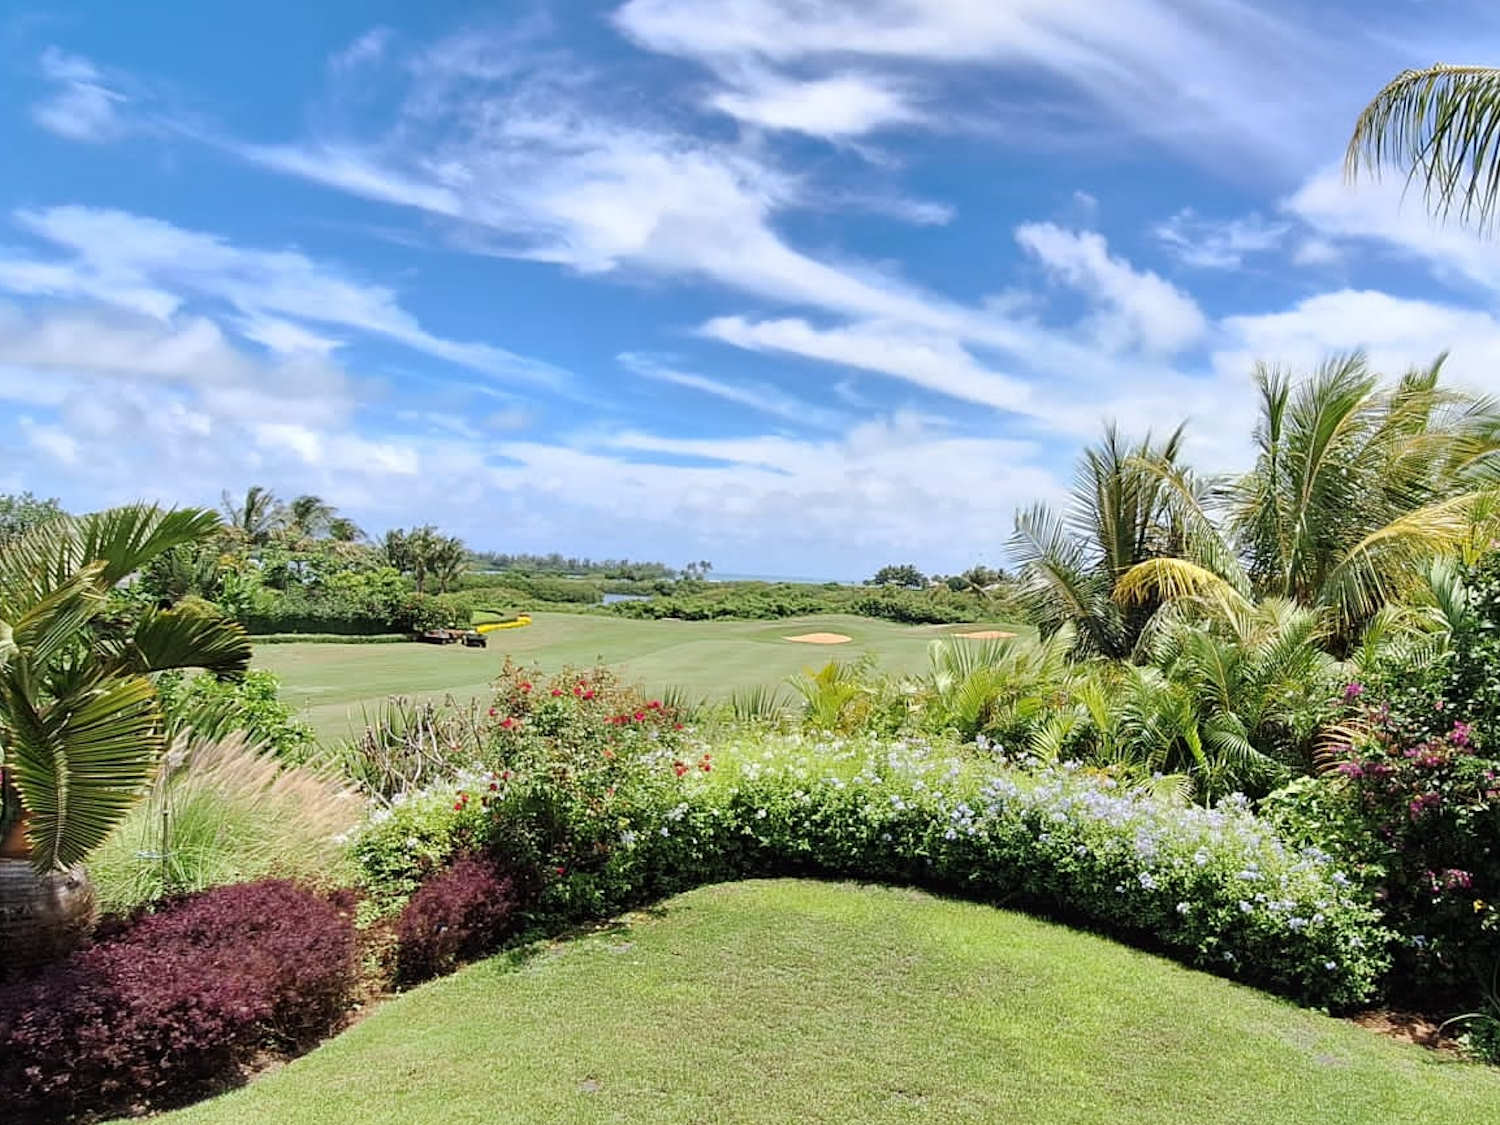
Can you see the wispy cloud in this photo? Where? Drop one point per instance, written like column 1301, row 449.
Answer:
column 83, row 104
column 1136, row 307
column 758, row 396
column 1219, row 243
column 930, row 360
column 1195, row 74
column 153, row 267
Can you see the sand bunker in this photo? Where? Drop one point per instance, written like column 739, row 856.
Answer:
column 987, row 635
column 820, row 639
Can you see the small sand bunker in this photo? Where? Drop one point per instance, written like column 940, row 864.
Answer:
column 820, row 639
column 987, row 635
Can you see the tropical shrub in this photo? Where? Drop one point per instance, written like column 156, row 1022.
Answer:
column 1431, row 845
column 457, row 915
column 177, row 1003
column 252, row 706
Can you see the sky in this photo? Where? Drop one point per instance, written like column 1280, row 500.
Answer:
column 796, row 286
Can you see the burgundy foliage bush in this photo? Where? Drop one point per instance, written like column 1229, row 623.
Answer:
column 177, row 1002
column 457, row 915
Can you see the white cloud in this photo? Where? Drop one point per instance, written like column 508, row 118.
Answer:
column 1396, row 333
column 1198, row 74
column 761, row 397
column 926, row 359
column 1140, row 308
column 1382, row 214
column 82, row 105
column 838, row 106
column 1219, row 243
column 53, row 441
column 365, row 49
column 1316, row 252
column 151, row 266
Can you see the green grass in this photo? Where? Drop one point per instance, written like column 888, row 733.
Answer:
column 705, row 658
column 800, row 1001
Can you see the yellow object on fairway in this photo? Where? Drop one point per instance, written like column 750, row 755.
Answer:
column 521, row 621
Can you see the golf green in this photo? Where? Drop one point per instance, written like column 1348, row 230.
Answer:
column 334, row 683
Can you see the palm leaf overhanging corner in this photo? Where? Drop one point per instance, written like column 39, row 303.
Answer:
column 1441, row 124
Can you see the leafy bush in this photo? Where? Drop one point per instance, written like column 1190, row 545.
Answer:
column 457, row 915
column 1419, row 822
column 252, row 706
column 178, row 1002
column 220, row 813
column 1215, row 888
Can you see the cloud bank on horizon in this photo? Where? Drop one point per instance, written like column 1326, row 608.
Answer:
column 801, row 286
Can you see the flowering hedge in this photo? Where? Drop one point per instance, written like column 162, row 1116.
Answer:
column 1213, row 888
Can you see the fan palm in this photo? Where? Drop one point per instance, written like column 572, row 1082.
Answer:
column 80, row 731
column 1441, row 125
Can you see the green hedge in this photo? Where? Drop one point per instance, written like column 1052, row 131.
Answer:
column 330, row 638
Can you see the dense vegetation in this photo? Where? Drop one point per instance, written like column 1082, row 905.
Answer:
column 1256, row 733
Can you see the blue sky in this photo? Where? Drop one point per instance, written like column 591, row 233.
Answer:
column 798, row 286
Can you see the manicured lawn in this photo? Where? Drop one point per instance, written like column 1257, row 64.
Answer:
column 800, row 1001
column 706, row 658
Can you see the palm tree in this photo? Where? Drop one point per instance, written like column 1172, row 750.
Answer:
column 307, row 517
column 1354, row 490
column 80, row 730
column 1440, row 125
column 341, row 529
column 1121, row 514
column 254, row 518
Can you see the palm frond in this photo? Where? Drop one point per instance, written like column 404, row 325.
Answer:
column 1441, row 125
column 79, row 768
column 1169, row 579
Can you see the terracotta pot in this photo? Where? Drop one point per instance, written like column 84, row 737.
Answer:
column 42, row 917
column 13, row 844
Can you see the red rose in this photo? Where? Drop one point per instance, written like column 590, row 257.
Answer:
column 640, row 716
column 525, row 686
column 557, row 691
column 562, row 870
column 589, row 694
column 493, row 712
